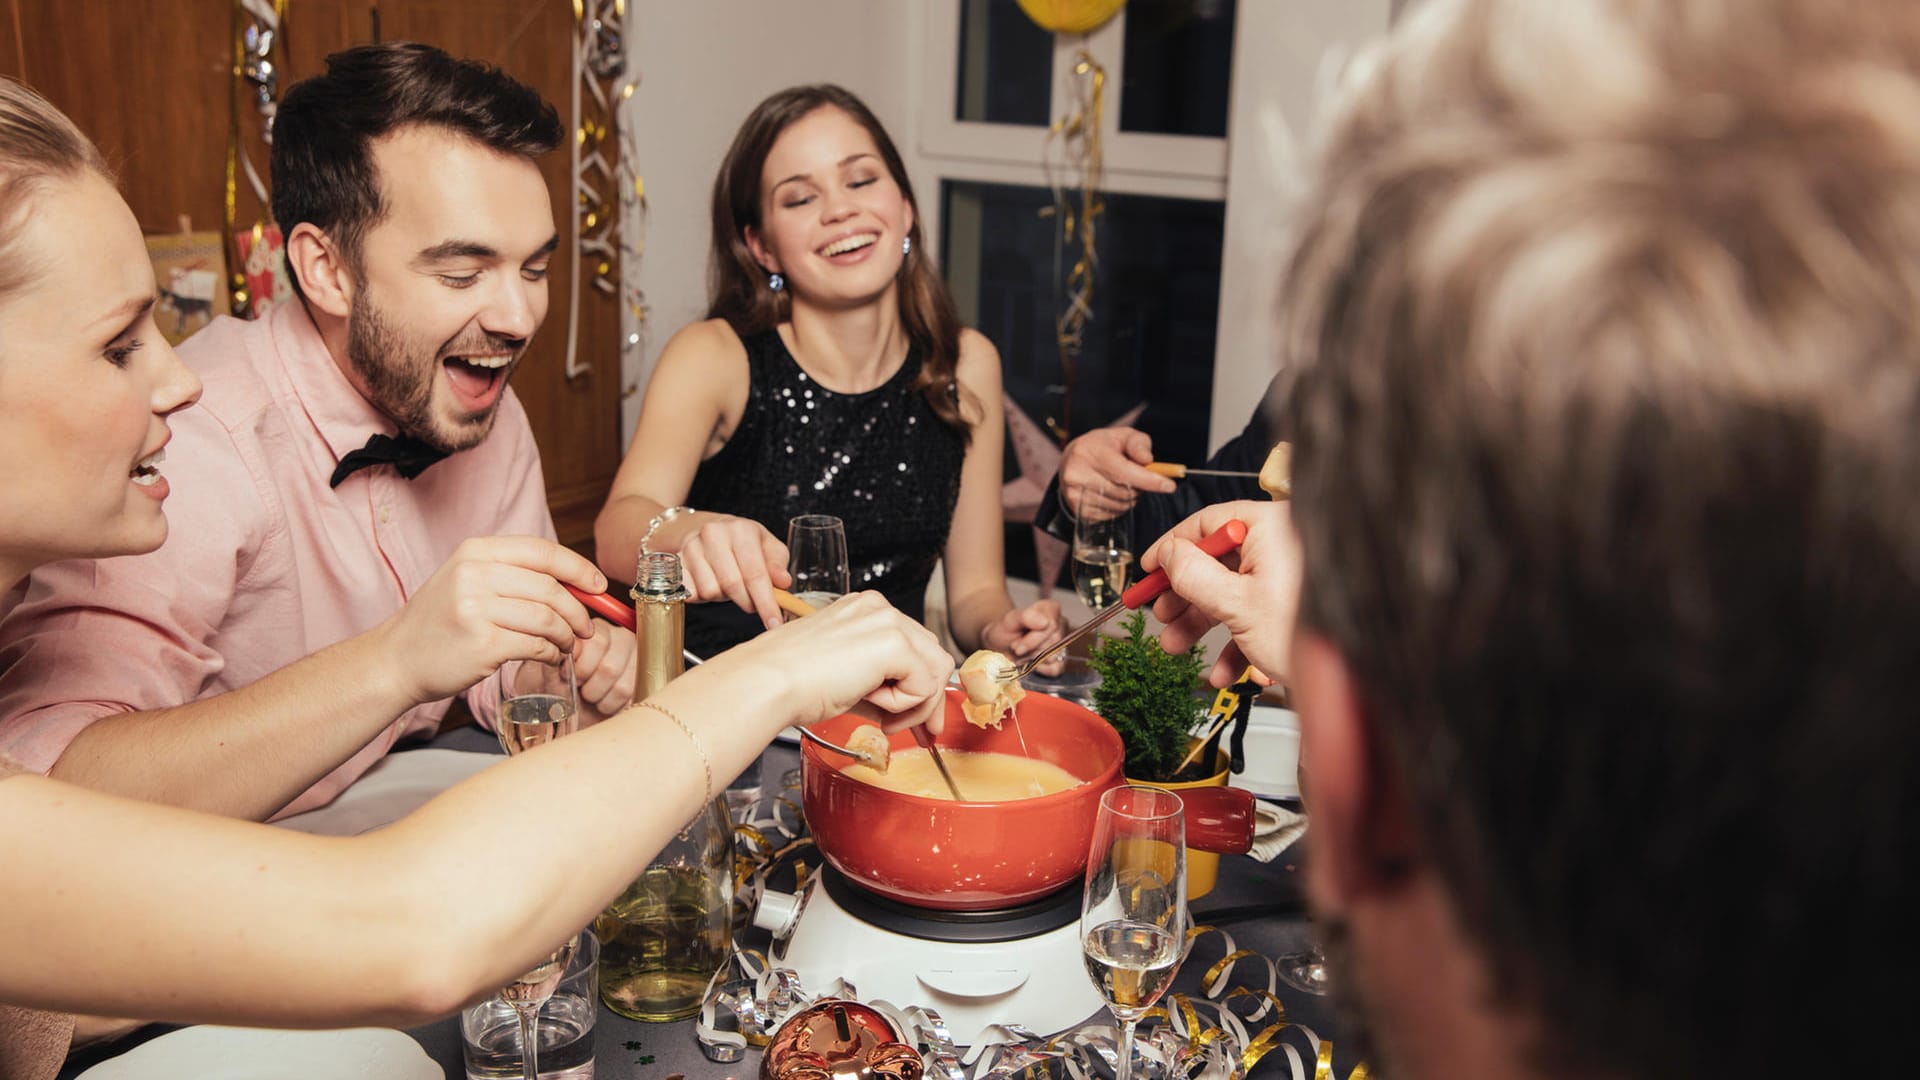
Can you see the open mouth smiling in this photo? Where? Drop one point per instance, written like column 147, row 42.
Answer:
column 146, row 472
column 849, row 244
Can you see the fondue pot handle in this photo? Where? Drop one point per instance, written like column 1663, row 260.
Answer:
column 1219, row 819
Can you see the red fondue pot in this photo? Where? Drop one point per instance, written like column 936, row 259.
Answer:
column 978, row 856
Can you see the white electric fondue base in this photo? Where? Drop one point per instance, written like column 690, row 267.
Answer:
column 975, row 969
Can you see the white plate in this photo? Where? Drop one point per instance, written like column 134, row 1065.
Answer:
column 1272, row 750
column 230, row 1053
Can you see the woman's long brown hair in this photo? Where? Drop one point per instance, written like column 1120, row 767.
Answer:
column 737, row 285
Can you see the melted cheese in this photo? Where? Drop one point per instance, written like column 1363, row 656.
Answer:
column 983, row 777
column 869, row 740
column 1276, row 475
column 988, row 696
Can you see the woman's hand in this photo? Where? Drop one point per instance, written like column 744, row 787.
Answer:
column 737, row 559
column 1022, row 632
column 1254, row 592
column 857, row 654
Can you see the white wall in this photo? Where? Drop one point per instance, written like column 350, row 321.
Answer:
column 1283, row 53
column 703, row 65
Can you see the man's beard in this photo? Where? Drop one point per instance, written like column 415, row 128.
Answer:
column 399, row 382
column 1335, row 938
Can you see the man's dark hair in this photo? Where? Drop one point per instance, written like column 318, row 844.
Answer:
column 323, row 135
column 1603, row 333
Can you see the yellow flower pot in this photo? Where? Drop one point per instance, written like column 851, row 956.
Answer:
column 1203, row 867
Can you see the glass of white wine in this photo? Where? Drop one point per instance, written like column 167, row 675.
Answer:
column 817, row 558
column 539, row 702
column 1133, row 918
column 1102, row 545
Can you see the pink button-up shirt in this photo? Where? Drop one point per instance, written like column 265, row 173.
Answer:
column 264, row 563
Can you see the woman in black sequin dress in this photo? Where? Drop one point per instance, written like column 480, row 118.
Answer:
column 831, row 377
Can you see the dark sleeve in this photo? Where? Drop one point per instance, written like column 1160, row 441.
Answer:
column 1154, row 513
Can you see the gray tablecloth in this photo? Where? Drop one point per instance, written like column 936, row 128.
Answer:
column 631, row 1050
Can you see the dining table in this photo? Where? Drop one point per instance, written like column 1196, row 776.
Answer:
column 1258, row 903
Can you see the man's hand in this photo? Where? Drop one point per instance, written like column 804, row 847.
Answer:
column 496, row 599
column 1101, row 470
column 606, row 666
column 1254, row 592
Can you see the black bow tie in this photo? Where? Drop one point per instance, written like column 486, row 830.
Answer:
column 409, row 457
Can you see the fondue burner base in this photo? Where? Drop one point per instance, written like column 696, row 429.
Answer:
column 1020, row 966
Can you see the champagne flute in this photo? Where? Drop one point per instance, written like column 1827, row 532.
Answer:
column 1133, row 918
column 539, row 702
column 1102, row 545
column 817, row 558
column 1304, row 971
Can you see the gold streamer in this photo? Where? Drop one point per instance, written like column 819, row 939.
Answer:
column 247, row 15
column 1075, row 137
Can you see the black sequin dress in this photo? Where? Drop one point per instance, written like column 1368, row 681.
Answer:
column 883, row 462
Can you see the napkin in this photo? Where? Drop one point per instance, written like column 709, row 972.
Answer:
column 1275, row 828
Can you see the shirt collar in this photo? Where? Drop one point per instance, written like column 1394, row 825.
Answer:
column 343, row 417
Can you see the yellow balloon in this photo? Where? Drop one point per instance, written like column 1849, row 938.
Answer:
column 1070, row 16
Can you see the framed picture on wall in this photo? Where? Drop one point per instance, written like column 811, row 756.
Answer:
column 188, row 269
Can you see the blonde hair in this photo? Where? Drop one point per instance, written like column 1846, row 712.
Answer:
column 37, row 144
column 1601, row 329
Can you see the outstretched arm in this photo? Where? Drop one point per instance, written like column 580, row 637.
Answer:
column 241, row 923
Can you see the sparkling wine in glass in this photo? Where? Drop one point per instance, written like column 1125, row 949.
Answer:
column 817, row 558
column 539, row 702
column 1133, row 918
column 1102, row 546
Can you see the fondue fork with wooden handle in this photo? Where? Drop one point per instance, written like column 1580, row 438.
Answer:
column 793, row 605
column 1217, row 544
column 612, row 610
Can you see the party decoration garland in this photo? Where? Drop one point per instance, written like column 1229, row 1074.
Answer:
column 1070, row 16
column 258, row 25
column 1221, row 1036
column 603, row 158
column 1074, row 147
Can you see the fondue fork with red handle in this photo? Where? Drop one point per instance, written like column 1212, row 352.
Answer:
column 1217, row 543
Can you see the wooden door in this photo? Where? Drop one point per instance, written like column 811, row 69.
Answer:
column 150, row 81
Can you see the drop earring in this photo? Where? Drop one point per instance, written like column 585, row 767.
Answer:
column 776, row 282
column 906, row 245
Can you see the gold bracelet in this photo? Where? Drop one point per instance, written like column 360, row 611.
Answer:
column 699, row 747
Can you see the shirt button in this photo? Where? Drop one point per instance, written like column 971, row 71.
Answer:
column 385, row 513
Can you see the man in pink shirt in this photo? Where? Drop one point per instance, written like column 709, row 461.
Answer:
column 345, row 451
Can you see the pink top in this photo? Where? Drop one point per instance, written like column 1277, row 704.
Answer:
column 264, row 563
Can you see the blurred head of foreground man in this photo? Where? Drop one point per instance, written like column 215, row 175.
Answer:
column 1601, row 325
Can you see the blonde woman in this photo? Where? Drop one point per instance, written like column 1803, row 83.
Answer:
column 123, row 908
